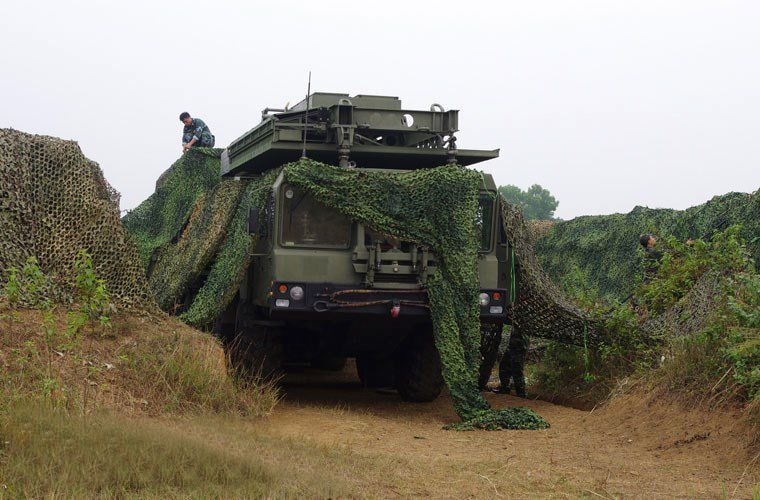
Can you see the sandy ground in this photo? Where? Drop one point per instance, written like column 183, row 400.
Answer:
column 632, row 448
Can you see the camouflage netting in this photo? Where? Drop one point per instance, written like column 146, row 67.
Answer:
column 234, row 255
column 605, row 247
column 540, row 309
column 692, row 313
column 191, row 234
column 160, row 218
column 201, row 250
column 54, row 202
column 437, row 208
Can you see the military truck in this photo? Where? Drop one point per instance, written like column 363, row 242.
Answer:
column 323, row 288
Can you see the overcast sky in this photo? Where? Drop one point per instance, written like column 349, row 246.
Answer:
column 608, row 104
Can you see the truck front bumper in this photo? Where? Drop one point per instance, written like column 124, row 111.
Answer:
column 325, row 301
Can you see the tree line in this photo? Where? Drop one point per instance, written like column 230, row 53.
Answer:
column 537, row 203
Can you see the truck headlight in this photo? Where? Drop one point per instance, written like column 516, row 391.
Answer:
column 296, row 293
column 484, row 299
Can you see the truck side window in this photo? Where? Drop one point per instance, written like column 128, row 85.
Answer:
column 268, row 218
column 484, row 221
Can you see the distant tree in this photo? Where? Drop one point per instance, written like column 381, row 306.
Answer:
column 537, row 203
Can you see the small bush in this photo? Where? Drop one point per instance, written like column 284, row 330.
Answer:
column 94, row 300
column 722, row 361
column 26, row 286
column 683, row 263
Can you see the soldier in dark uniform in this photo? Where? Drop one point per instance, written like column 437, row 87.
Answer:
column 512, row 364
column 652, row 256
column 195, row 133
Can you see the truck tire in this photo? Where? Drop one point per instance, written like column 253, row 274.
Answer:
column 418, row 368
column 375, row 372
column 257, row 349
column 256, row 353
column 224, row 324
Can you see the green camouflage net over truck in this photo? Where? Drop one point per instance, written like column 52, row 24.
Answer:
column 605, row 247
column 54, row 202
column 197, row 260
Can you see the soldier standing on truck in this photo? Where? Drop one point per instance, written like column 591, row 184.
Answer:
column 195, row 133
column 512, row 365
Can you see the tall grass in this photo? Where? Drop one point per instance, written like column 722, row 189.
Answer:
column 181, row 370
column 46, row 452
column 147, row 365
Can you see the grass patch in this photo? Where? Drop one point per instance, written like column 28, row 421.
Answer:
column 47, row 452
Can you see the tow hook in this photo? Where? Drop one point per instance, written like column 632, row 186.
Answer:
column 395, row 309
column 321, row 306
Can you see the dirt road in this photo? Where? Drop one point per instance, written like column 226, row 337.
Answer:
column 630, row 449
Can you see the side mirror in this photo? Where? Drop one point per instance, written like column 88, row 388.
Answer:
column 252, row 224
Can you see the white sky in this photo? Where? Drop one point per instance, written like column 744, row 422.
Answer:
column 606, row 103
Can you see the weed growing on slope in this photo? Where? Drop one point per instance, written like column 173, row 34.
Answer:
column 26, row 286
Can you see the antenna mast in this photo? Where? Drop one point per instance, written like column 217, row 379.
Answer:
column 306, row 117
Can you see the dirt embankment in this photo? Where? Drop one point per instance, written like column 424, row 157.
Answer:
column 139, row 365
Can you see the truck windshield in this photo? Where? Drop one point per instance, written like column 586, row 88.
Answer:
column 484, row 220
column 308, row 223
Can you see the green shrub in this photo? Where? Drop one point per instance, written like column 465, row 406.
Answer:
column 683, row 263
column 718, row 362
column 94, row 300
column 26, row 286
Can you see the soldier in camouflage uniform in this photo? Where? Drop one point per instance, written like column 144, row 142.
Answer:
column 652, row 256
column 195, row 133
column 512, row 364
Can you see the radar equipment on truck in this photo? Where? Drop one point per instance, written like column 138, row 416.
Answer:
column 368, row 131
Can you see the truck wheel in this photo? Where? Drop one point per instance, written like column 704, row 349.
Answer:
column 418, row 368
column 257, row 349
column 256, row 353
column 375, row 372
column 224, row 325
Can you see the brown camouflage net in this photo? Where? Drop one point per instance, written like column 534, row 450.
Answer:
column 540, row 309
column 692, row 313
column 55, row 202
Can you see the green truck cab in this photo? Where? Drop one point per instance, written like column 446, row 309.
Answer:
column 322, row 288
